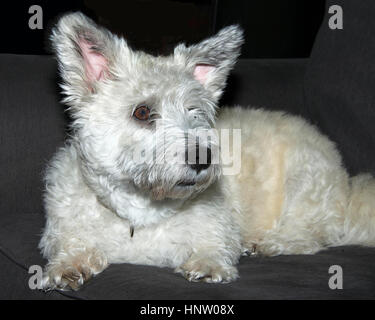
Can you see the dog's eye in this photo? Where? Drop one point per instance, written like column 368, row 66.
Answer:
column 142, row 113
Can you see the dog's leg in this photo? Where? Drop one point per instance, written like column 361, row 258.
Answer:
column 215, row 251
column 69, row 269
column 277, row 246
column 215, row 242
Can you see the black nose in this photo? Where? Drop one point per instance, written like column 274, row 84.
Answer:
column 201, row 164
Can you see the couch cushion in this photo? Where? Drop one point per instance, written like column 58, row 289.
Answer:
column 340, row 92
column 282, row 277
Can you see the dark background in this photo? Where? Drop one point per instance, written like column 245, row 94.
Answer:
column 274, row 28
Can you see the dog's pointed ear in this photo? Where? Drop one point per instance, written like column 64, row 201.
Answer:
column 85, row 52
column 211, row 60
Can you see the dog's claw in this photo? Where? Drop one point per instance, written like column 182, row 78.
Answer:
column 208, row 271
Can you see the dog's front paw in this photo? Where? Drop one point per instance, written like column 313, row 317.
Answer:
column 62, row 277
column 72, row 273
column 206, row 270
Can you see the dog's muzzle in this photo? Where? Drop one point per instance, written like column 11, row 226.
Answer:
column 202, row 159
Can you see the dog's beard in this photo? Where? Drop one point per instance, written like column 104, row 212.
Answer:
column 178, row 191
column 185, row 186
column 173, row 181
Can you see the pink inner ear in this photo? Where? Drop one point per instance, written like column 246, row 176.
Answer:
column 201, row 72
column 96, row 65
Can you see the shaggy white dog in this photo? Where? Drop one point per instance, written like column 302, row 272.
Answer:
column 113, row 197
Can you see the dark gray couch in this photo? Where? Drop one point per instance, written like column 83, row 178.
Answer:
column 335, row 89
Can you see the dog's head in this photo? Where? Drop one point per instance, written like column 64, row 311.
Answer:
column 141, row 119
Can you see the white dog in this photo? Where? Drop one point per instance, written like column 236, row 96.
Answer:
column 291, row 196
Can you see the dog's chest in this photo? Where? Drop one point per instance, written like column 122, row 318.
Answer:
column 164, row 244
